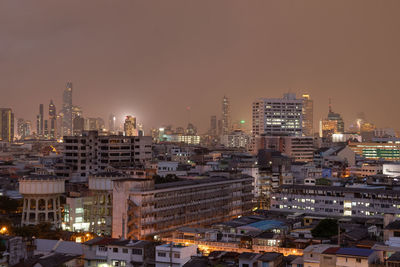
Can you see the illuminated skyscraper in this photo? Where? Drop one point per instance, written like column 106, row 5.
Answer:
column 39, row 121
column 130, row 126
column 6, row 125
column 111, row 123
column 308, row 117
column 226, row 127
column 333, row 124
column 67, row 110
column 52, row 119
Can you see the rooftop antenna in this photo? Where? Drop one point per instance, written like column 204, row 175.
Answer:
column 330, row 106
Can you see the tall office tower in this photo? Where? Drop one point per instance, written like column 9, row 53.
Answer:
column 111, row 123
column 226, row 127
column 213, row 125
column 278, row 116
column 46, row 129
column 6, row 125
column 27, row 129
column 78, row 125
column 20, row 128
column 308, row 117
column 52, row 119
column 130, row 126
column 67, row 110
column 332, row 124
column 219, row 127
column 39, row 121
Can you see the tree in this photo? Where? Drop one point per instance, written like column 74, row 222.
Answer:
column 325, row 228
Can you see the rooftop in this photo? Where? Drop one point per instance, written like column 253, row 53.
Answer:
column 359, row 252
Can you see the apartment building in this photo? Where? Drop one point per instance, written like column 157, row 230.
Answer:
column 91, row 153
column 298, row 148
column 356, row 201
column 174, row 255
column 143, row 209
column 103, row 251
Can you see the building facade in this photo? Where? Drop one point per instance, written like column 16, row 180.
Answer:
column 277, row 116
column 337, row 201
column 6, row 125
column 143, row 209
column 308, row 115
column 92, row 153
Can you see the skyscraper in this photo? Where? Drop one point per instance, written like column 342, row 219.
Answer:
column 130, row 126
column 52, row 119
column 225, row 116
column 111, row 123
column 39, row 121
column 213, row 125
column 308, row 116
column 20, row 128
column 67, row 110
column 278, row 116
column 6, row 125
column 332, row 124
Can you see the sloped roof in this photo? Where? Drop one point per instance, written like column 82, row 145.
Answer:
column 359, row 252
column 59, row 246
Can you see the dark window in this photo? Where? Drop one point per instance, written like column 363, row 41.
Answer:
column 137, row 251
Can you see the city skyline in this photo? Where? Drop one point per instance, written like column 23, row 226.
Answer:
column 173, row 58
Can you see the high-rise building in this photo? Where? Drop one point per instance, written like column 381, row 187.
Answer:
column 6, row 125
column 67, row 110
column 23, row 128
column 94, row 124
column 333, row 124
column 111, row 123
column 39, row 121
column 130, row 126
column 78, row 125
column 46, row 129
column 20, row 128
column 52, row 119
column 278, row 116
column 226, row 120
column 213, row 125
column 308, row 117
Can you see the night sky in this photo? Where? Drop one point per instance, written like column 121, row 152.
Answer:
column 152, row 59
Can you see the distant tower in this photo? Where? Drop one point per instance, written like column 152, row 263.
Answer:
column 20, row 128
column 6, row 125
column 41, row 194
column 213, row 125
column 67, row 110
column 333, row 124
column 225, row 116
column 46, row 129
column 130, row 126
column 308, row 117
column 111, row 123
column 52, row 119
column 39, row 122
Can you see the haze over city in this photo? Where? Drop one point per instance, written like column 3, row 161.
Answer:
column 152, row 59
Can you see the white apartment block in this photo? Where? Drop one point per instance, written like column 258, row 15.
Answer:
column 174, row 255
column 335, row 201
